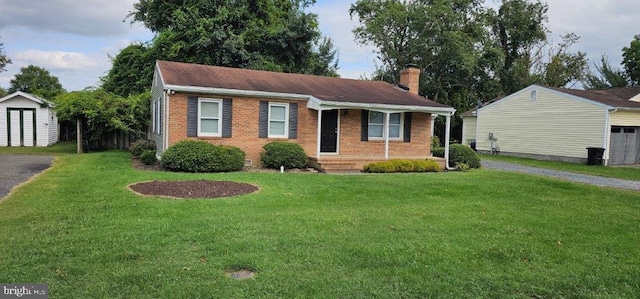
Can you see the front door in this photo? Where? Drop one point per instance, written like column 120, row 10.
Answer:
column 329, row 132
column 21, row 129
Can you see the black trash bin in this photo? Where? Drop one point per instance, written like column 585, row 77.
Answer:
column 594, row 155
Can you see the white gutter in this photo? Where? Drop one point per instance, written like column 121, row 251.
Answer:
column 314, row 103
column 237, row 92
column 607, row 134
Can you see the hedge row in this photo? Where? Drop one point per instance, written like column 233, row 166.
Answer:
column 399, row 165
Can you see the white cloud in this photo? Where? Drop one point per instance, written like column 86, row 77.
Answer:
column 56, row 60
column 82, row 17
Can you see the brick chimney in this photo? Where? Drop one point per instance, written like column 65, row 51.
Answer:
column 410, row 77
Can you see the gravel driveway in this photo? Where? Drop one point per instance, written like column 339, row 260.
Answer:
column 563, row 175
column 16, row 169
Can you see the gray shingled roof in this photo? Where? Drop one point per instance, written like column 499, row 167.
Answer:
column 323, row 88
column 615, row 97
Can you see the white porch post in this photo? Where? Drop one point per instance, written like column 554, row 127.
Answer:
column 319, row 132
column 446, row 141
column 385, row 134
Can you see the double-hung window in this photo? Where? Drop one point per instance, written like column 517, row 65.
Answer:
column 278, row 120
column 376, row 125
column 209, row 117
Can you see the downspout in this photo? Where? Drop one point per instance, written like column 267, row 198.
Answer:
column 319, row 133
column 607, row 134
column 447, row 135
column 385, row 134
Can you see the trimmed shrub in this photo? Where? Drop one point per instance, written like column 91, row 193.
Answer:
column 398, row 165
column 141, row 145
column 287, row 154
column 426, row 166
column 459, row 153
column 201, row 156
column 438, row 152
column 380, row 167
column 148, row 157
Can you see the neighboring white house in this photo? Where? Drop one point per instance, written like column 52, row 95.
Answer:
column 26, row 120
column 559, row 124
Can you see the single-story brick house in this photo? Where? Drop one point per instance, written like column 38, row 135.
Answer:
column 559, row 124
column 27, row 120
column 342, row 124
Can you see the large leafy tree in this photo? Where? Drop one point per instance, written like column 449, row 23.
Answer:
column 36, row 80
column 132, row 71
column 631, row 60
column 444, row 38
column 606, row 77
column 275, row 35
column 530, row 57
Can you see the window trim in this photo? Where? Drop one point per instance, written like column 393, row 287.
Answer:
column 401, row 126
column 200, row 117
column 286, row 120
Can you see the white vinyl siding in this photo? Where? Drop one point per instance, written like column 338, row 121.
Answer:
column 46, row 128
column 158, row 92
column 469, row 125
column 278, row 120
column 209, row 117
column 555, row 124
column 376, row 125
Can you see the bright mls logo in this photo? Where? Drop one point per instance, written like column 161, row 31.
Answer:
column 24, row 291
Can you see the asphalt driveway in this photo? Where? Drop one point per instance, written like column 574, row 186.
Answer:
column 16, row 169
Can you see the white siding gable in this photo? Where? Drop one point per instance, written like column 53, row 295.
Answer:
column 553, row 123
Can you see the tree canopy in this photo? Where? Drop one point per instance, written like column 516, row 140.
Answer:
column 607, row 76
column 467, row 51
column 276, row 35
column 631, row 60
column 37, row 81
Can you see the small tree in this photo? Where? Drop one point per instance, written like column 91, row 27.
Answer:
column 38, row 81
column 4, row 60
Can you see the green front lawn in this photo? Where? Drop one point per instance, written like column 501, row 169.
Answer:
column 618, row 172
column 473, row 234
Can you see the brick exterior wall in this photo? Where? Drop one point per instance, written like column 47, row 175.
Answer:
column 350, row 143
column 245, row 128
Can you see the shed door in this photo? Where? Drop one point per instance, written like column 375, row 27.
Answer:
column 624, row 145
column 21, row 126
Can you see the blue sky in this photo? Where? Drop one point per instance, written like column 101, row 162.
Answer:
column 74, row 38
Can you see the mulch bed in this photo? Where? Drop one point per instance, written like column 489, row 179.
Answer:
column 193, row 189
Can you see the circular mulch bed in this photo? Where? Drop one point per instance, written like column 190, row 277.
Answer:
column 193, row 189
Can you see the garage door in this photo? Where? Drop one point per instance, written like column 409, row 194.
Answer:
column 624, row 145
column 21, row 129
